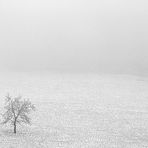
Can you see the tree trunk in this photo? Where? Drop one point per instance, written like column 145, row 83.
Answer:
column 15, row 127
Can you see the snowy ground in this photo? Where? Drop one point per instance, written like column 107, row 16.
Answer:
column 79, row 111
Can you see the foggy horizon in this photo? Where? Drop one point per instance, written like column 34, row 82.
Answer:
column 81, row 65
column 74, row 36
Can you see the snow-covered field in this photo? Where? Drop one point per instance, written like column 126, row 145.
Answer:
column 79, row 111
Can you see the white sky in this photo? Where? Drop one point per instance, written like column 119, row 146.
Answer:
column 74, row 35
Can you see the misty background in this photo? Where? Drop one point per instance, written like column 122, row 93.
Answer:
column 109, row 36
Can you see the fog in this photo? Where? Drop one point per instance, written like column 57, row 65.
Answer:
column 108, row 36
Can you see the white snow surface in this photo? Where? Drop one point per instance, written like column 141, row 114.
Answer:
column 78, row 111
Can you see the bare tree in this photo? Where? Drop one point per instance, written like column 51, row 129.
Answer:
column 17, row 111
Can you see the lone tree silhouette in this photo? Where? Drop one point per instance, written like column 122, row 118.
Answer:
column 17, row 111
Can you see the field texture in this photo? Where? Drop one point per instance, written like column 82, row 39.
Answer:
column 78, row 111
